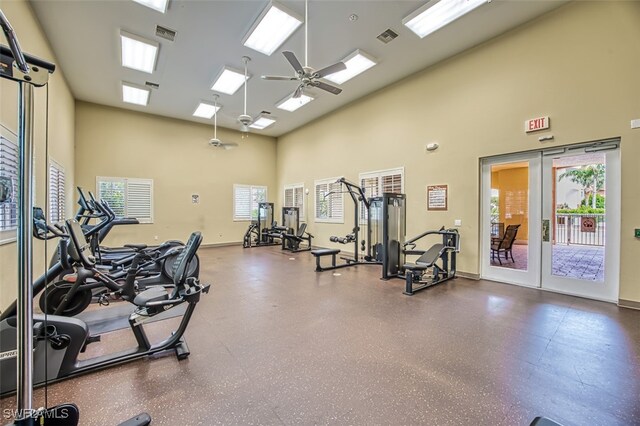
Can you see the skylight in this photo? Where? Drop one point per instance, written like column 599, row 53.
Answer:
column 272, row 28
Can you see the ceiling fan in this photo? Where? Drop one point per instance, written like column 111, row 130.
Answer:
column 215, row 142
column 305, row 75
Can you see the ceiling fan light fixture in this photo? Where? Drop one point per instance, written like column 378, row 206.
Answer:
column 357, row 62
column 159, row 5
column 138, row 53
column 291, row 104
column 437, row 14
column 273, row 27
column 134, row 94
column 262, row 122
column 229, row 81
column 205, row 110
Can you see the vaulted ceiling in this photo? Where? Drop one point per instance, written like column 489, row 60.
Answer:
column 85, row 38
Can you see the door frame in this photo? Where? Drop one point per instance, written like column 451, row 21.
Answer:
column 607, row 290
column 612, row 241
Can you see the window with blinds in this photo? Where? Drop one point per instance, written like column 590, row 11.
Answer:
column 9, row 169
column 378, row 182
column 246, row 199
column 329, row 201
column 294, row 197
column 128, row 197
column 56, row 193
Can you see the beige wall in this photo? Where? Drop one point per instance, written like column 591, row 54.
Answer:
column 578, row 64
column 61, row 132
column 176, row 155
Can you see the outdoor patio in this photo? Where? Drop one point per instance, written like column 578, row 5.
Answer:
column 573, row 261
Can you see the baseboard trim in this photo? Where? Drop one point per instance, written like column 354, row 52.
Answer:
column 468, row 275
column 630, row 304
column 210, row 245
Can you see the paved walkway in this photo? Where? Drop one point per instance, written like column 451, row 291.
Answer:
column 583, row 262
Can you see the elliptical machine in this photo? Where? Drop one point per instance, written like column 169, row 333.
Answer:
column 58, row 341
column 29, row 72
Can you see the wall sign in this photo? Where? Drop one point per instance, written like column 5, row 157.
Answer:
column 437, row 196
column 588, row 224
column 535, row 124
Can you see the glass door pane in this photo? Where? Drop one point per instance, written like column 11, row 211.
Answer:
column 511, row 218
column 581, row 202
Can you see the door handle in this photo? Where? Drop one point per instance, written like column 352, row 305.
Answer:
column 545, row 230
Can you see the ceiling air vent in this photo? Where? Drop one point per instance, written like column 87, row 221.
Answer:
column 165, row 33
column 152, row 85
column 387, row 36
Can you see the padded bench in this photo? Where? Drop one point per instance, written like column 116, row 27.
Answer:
column 427, row 260
column 325, row 252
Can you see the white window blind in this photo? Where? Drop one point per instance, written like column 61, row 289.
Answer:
column 294, row 197
column 378, row 182
column 329, row 201
column 9, row 168
column 128, row 197
column 56, row 193
column 246, row 199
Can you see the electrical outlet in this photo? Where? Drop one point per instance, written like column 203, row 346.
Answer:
column 155, row 237
column 635, row 124
column 637, row 233
column 457, row 222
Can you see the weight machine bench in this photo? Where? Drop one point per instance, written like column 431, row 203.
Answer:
column 325, row 252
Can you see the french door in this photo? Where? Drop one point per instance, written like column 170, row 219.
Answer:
column 551, row 220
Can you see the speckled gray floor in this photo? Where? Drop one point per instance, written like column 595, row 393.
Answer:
column 277, row 343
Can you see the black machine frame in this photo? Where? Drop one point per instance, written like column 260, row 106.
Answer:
column 357, row 195
column 446, row 252
column 392, row 249
column 260, row 233
column 296, row 233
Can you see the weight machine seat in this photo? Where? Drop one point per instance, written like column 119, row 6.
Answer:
column 153, row 294
column 300, row 235
column 325, row 252
column 427, row 259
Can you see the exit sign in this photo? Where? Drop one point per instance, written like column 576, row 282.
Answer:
column 535, row 124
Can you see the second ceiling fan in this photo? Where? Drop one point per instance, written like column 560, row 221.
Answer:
column 305, row 75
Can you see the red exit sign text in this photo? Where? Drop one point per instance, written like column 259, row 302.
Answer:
column 535, row 124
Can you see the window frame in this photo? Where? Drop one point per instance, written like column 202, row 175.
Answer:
column 379, row 175
column 60, row 192
column 327, row 181
column 301, row 205
column 251, row 206
column 9, row 235
column 126, row 181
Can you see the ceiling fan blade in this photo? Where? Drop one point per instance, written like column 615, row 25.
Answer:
column 229, row 145
column 278, row 77
column 298, row 93
column 329, row 88
column 291, row 57
column 339, row 66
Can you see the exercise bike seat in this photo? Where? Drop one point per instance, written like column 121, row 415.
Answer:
column 153, row 294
